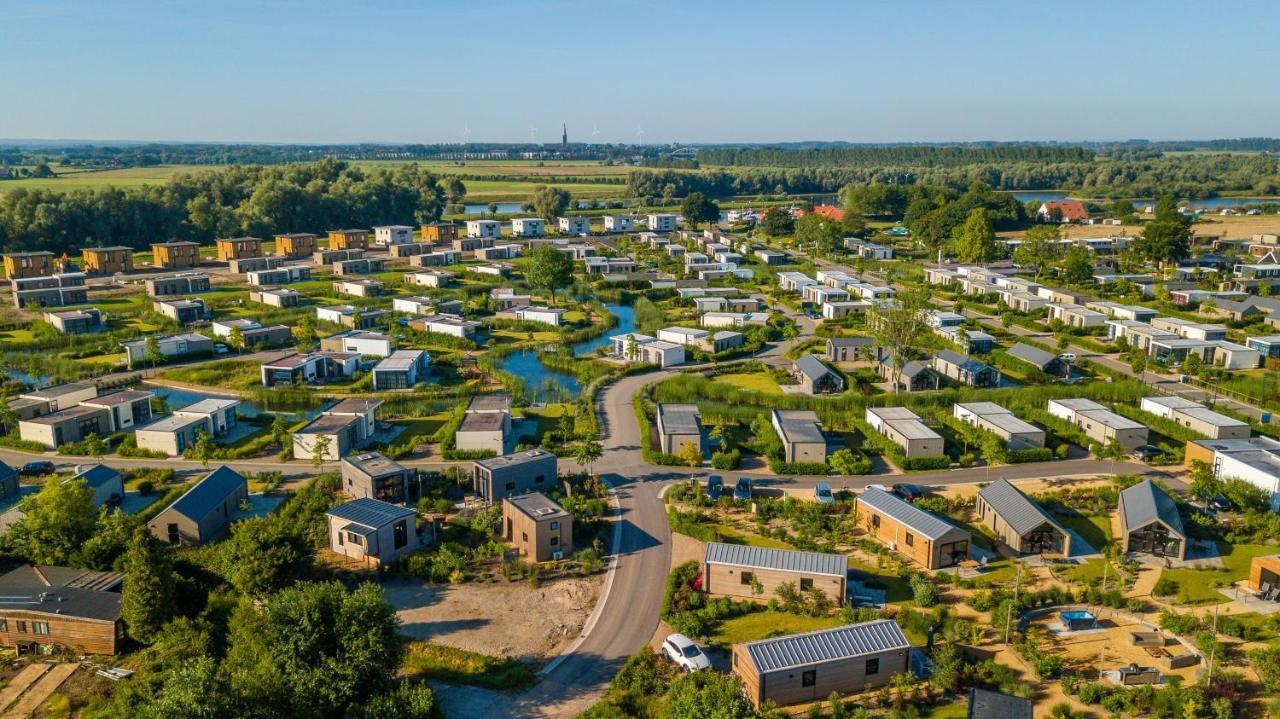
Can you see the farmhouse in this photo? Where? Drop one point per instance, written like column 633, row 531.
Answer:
column 678, row 425
column 204, row 512
column 372, row 531
column 539, row 528
column 903, row 527
column 801, row 433
column 811, row 666
column 1150, row 522
column 737, row 570
column 906, row 430
column 1019, row 522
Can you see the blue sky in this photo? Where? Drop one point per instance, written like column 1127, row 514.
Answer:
column 691, row 71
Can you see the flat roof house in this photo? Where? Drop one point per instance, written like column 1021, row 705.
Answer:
column 528, row 227
column 905, row 528
column 993, row 418
column 57, row 290
column 539, row 528
column 1099, row 423
column 801, row 433
column 349, row 424
column 18, row 265
column 678, row 425
column 574, row 225
column 278, row 276
column 683, row 335
column 661, row 222
column 172, row 347
column 541, row 315
column 77, row 322
column 172, row 435
column 618, row 223
column 483, row 431
column 175, row 255
column 401, row 369
column 295, row 245
column 387, row 235
column 237, row 248
column 500, row 477
column 361, row 342
column 184, row 312
column 1255, row 460
column 275, row 296
column 360, row 287
column 1196, row 417
column 439, row 232
column 204, row 512
column 348, row 239
column 811, row 666
column 906, row 430
column 734, row 569
column 965, row 370
column 1019, row 522
column 65, row 426
column 815, row 377
column 374, row 476
column 107, row 260
column 374, row 532
column 354, row 317
column 45, row 609
column 125, row 409
column 491, row 229
column 1046, row 362
column 445, row 324
column 1150, row 522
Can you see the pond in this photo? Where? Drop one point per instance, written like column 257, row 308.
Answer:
column 177, row 398
column 503, row 207
column 544, row 384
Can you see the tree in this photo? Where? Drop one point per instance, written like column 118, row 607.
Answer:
column 1039, row 248
column 454, row 189
column 151, row 350
column 235, row 340
column 305, row 332
column 697, row 208
column 147, row 601
column 706, row 695
column 1077, row 265
column 316, row 650
column 8, row 418
column 1192, row 364
column 1167, row 238
column 845, row 462
column 95, row 446
column 58, row 520
column 820, row 234
column 898, row 326
column 549, row 202
column 777, row 222
column 549, row 269
column 587, row 454
column 261, row 556
column 975, row 240
column 690, row 454
column 203, row 450
column 320, row 450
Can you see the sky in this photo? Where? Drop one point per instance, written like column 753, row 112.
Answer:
column 692, row 71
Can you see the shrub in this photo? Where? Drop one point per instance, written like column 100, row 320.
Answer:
column 780, row 467
column 1165, row 587
column 914, row 463
column 726, row 460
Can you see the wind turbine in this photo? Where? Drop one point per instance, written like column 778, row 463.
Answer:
column 595, row 130
column 533, row 131
column 466, row 134
column 640, row 133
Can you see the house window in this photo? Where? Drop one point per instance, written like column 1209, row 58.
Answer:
column 538, row 479
column 746, row 577
column 809, row 678
column 873, row 667
column 341, row 541
column 40, row 628
column 524, row 536
column 555, row 541
column 4, row 625
column 401, row 534
column 354, row 538
column 806, row 584
column 875, row 521
column 22, row 627
column 511, row 486
column 555, row 525
column 911, row 539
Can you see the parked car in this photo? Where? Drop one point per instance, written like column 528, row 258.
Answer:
column 681, row 650
column 1146, row 452
column 37, row 468
column 1220, row 504
column 742, row 490
column 909, row 492
column 715, row 486
column 822, row 493
column 1068, row 357
column 220, row 349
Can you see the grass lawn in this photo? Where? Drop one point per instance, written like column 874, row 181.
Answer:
column 542, row 419
column 1096, row 531
column 420, row 429
column 18, row 336
column 1091, row 571
column 232, row 374
column 732, row 535
column 425, row 660
column 1200, row 586
column 111, row 360
column 758, row 625
column 896, row 588
column 753, row 381
column 954, row 710
column 507, row 336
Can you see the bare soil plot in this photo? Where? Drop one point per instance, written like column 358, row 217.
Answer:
column 501, row 619
column 46, row 685
column 1112, row 644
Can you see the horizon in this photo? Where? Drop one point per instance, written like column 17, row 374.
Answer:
column 449, row 72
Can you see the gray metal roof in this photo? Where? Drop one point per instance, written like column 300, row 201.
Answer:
column 1015, row 508
column 786, row 560
column 812, row 367
column 370, row 512
column 208, row 493
column 1144, row 503
column 799, row 425
column 1031, row 355
column 986, row 704
column 906, row 514
column 680, row 418
column 537, row 506
column 827, row 645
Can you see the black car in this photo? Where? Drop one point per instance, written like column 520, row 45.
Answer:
column 37, row 468
column 715, row 486
column 909, row 492
column 1220, row 504
column 1146, row 452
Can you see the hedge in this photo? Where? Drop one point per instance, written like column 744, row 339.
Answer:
column 802, row 468
column 938, row 462
column 1022, row 456
column 464, row 454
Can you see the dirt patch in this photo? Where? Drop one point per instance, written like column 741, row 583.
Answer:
column 503, row 619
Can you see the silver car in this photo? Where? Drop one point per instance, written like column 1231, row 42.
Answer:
column 681, row 650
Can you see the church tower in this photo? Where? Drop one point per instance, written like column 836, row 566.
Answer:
column 564, row 138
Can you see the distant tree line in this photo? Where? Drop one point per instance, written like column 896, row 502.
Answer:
column 911, row 155
column 252, row 200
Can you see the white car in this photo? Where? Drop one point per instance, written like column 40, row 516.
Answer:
column 1067, row 357
column 681, row 650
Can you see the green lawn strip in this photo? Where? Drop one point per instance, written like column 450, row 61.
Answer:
column 753, row 381
column 1200, row 586
column 1096, row 531
column 732, row 535
column 457, row 666
column 896, row 588
column 767, row 623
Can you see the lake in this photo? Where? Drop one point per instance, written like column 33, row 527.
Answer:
column 544, row 384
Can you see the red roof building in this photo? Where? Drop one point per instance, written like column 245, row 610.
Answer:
column 1072, row 211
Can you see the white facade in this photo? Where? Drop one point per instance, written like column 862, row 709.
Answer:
column 619, row 223
column 388, row 235
column 683, row 335
column 662, row 223
column 528, row 227
column 574, row 225
column 490, row 229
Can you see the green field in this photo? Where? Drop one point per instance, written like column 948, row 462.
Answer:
column 1200, row 586
column 754, row 381
column 758, row 625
